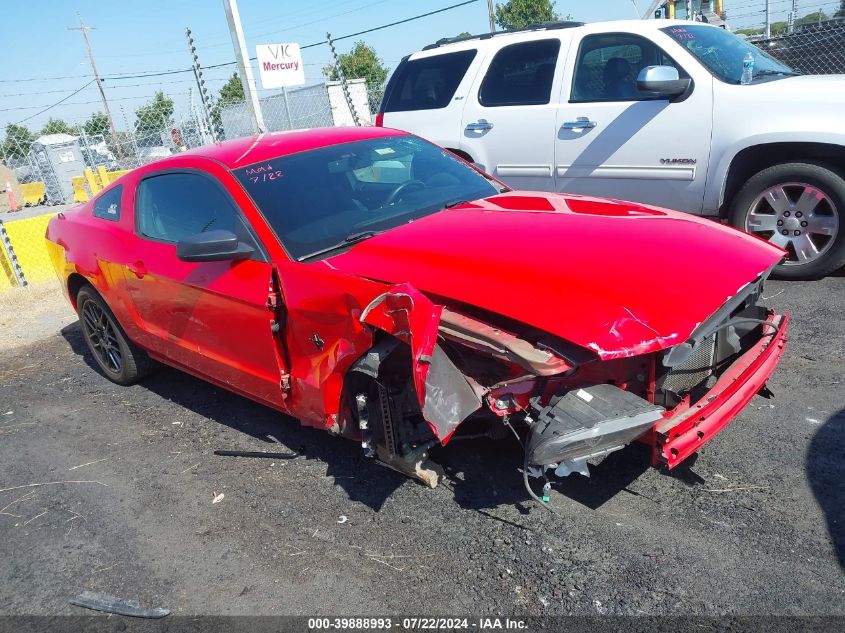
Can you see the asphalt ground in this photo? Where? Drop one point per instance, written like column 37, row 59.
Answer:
column 754, row 526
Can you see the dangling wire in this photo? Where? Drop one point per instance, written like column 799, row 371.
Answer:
column 528, row 489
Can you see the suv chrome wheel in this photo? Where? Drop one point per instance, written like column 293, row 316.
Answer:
column 796, row 216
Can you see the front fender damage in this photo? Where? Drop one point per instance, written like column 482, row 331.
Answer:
column 446, row 396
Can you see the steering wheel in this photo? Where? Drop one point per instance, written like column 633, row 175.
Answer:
column 394, row 195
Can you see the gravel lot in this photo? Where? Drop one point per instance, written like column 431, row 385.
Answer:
column 755, row 526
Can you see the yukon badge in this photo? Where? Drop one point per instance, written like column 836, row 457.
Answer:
column 678, row 161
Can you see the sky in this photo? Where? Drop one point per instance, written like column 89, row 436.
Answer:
column 43, row 61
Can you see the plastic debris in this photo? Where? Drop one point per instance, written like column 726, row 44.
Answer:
column 120, row 606
column 218, row 498
column 342, row 519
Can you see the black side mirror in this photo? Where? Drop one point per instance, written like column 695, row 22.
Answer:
column 212, row 246
column 663, row 81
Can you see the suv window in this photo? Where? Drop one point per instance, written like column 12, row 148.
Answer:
column 428, row 83
column 521, row 74
column 107, row 206
column 608, row 65
column 171, row 207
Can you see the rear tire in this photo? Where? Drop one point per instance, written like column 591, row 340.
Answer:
column 119, row 359
column 800, row 207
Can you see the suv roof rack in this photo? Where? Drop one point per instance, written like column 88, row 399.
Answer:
column 535, row 26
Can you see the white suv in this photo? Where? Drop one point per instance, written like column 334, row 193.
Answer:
column 653, row 111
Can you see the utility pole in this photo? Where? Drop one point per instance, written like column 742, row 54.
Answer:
column 768, row 19
column 790, row 21
column 204, row 98
column 491, row 15
column 84, row 28
column 342, row 77
column 233, row 16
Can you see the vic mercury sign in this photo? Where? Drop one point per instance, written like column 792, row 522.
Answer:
column 280, row 65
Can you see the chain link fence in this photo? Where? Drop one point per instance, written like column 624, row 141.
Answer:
column 69, row 163
column 813, row 49
column 73, row 163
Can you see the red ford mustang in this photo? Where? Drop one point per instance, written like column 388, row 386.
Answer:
column 374, row 285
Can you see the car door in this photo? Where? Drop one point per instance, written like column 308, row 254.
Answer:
column 210, row 318
column 509, row 121
column 614, row 141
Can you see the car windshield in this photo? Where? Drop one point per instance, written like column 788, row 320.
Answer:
column 723, row 53
column 325, row 199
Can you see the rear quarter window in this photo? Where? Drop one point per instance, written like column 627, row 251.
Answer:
column 428, row 83
column 521, row 74
column 107, row 206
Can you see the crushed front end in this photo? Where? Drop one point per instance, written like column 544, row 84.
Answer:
column 485, row 373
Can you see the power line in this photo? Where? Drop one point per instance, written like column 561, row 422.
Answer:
column 384, row 26
column 60, row 101
column 175, row 71
column 84, row 28
column 172, row 94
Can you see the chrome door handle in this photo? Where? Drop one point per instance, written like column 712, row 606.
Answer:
column 582, row 123
column 479, row 126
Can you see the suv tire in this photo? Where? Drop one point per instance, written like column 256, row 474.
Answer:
column 801, row 207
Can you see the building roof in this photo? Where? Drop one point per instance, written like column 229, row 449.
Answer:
column 55, row 139
column 255, row 149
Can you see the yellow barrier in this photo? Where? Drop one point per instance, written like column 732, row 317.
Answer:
column 33, row 193
column 96, row 181
column 80, row 193
column 114, row 175
column 27, row 238
column 93, row 181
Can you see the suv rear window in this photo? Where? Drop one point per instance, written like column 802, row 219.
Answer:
column 521, row 74
column 428, row 83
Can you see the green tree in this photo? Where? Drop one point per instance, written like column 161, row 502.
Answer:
column 464, row 34
column 18, row 140
column 231, row 92
column 57, row 126
column 812, row 18
column 361, row 62
column 97, row 124
column 517, row 14
column 154, row 117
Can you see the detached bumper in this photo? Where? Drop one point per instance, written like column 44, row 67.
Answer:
column 682, row 433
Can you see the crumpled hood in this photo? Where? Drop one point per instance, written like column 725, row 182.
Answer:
column 618, row 278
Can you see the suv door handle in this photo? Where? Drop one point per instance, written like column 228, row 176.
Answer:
column 582, row 123
column 138, row 269
column 480, row 125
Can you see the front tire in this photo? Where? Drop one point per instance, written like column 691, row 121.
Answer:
column 119, row 359
column 801, row 208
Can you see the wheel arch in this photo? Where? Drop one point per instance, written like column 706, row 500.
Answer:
column 75, row 282
column 755, row 158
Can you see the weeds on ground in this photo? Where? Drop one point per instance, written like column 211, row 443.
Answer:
column 32, row 313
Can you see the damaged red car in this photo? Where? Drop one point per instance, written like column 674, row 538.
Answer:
column 374, row 285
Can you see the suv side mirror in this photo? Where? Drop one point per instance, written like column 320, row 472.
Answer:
column 663, row 81
column 212, row 246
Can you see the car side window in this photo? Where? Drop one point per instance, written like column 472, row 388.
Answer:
column 521, row 74
column 172, row 207
column 107, row 206
column 607, row 67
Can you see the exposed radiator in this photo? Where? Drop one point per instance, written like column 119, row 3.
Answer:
column 683, row 378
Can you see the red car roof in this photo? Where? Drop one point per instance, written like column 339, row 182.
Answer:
column 255, row 149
